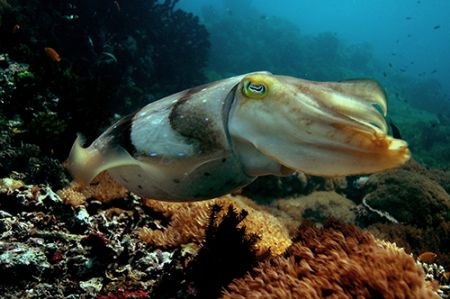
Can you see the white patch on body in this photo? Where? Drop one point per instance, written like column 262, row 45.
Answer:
column 152, row 134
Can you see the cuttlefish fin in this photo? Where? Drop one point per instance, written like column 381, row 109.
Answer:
column 366, row 89
column 86, row 163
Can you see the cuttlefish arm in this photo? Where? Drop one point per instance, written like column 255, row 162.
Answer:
column 320, row 128
column 210, row 140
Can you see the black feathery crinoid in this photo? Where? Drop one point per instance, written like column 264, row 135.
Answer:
column 228, row 253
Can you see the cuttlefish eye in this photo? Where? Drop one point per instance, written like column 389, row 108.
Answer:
column 257, row 90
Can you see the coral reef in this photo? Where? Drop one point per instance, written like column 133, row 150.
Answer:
column 184, row 223
column 102, row 241
column 79, row 65
column 417, row 240
column 117, row 55
column 26, row 162
column 409, row 197
column 268, row 188
column 408, row 206
column 102, row 188
column 338, row 261
column 318, row 207
column 436, row 275
column 93, row 247
column 226, row 247
column 87, row 250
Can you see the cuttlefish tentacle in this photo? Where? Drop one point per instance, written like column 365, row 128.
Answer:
column 212, row 139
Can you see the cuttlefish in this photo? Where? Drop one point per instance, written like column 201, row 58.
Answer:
column 210, row 140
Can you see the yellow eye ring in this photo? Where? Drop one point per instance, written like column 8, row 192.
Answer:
column 256, row 90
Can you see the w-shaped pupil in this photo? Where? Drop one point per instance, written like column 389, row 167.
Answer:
column 257, row 88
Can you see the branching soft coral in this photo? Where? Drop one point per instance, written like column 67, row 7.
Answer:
column 337, row 261
column 187, row 223
column 103, row 188
column 417, row 240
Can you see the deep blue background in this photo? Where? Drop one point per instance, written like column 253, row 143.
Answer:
column 400, row 32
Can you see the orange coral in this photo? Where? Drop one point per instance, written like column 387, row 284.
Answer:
column 188, row 222
column 102, row 188
column 337, row 261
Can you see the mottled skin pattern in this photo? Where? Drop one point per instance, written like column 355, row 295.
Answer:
column 212, row 139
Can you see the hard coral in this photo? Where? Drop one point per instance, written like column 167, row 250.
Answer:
column 187, row 223
column 28, row 163
column 409, row 197
column 317, row 207
column 337, row 261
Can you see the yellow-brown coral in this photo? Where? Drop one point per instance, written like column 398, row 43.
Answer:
column 337, row 261
column 189, row 220
column 102, row 188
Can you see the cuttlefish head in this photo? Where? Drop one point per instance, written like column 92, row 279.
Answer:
column 320, row 128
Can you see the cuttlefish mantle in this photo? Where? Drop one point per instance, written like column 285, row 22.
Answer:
column 210, row 140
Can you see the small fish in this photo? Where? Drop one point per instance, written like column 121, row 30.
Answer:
column 110, row 55
column 90, row 42
column 402, row 70
column 394, row 54
column 71, row 17
column 408, row 18
column 412, row 62
column 409, row 35
column 15, row 29
column 394, row 129
column 434, row 71
column 384, row 74
column 436, row 27
column 52, row 54
column 390, row 65
column 427, row 257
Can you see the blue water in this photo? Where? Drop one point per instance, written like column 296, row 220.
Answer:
column 402, row 33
